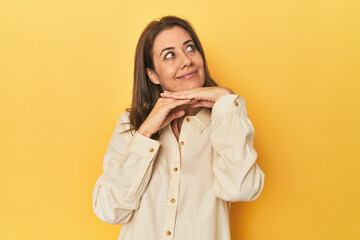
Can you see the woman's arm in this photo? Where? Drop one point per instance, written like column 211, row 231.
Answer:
column 127, row 165
column 237, row 176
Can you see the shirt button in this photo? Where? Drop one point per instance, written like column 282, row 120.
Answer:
column 151, row 149
column 172, row 200
column 175, row 169
column 182, row 143
column 236, row 103
column 188, row 119
column 168, row 233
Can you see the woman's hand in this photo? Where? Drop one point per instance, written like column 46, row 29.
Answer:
column 207, row 96
column 161, row 114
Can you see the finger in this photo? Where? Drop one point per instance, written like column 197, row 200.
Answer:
column 180, row 92
column 207, row 104
column 166, row 95
column 197, row 105
column 200, row 104
column 201, row 93
column 176, row 96
column 172, row 116
column 176, row 103
column 183, row 92
column 194, row 101
column 165, row 101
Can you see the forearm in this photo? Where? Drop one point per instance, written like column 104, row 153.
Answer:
column 128, row 166
column 237, row 176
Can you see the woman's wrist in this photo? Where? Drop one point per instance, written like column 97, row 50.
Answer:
column 225, row 91
column 144, row 132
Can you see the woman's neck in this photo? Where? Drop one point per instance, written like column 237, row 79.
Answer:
column 189, row 111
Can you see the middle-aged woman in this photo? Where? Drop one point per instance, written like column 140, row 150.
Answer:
column 183, row 151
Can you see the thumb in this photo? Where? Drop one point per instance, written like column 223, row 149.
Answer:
column 204, row 103
column 172, row 116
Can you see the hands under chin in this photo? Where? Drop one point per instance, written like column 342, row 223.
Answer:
column 173, row 105
column 206, row 96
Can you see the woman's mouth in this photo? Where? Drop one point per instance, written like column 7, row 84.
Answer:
column 188, row 75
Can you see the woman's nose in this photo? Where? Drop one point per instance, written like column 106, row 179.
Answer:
column 186, row 60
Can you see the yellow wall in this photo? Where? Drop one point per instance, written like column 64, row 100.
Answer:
column 66, row 75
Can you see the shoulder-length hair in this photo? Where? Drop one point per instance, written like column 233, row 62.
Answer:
column 145, row 92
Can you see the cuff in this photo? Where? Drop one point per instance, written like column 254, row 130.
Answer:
column 228, row 104
column 144, row 146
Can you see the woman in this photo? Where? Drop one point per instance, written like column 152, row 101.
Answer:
column 183, row 151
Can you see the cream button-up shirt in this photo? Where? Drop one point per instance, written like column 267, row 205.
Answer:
column 180, row 190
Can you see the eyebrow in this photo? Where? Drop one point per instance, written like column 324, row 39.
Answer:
column 168, row 48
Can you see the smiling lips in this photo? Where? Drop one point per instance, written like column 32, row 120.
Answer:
column 188, row 75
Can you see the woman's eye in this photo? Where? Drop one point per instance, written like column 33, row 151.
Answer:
column 169, row 55
column 190, row 48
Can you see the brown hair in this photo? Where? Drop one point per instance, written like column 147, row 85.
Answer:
column 146, row 93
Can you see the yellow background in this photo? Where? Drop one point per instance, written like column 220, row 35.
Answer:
column 66, row 76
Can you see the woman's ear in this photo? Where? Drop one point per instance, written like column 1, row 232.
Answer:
column 152, row 75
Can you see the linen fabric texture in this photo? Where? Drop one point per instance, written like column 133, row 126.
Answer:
column 180, row 189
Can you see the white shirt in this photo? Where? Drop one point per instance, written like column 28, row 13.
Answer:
column 180, row 190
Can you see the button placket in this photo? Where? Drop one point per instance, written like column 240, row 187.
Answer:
column 173, row 195
column 174, row 184
column 183, row 134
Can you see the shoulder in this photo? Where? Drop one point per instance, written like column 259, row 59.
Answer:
column 124, row 117
column 123, row 123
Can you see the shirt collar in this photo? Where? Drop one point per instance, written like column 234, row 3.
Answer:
column 202, row 118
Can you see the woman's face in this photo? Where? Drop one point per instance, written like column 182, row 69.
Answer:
column 178, row 64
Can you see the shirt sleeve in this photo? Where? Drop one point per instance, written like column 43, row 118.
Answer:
column 237, row 176
column 127, row 166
